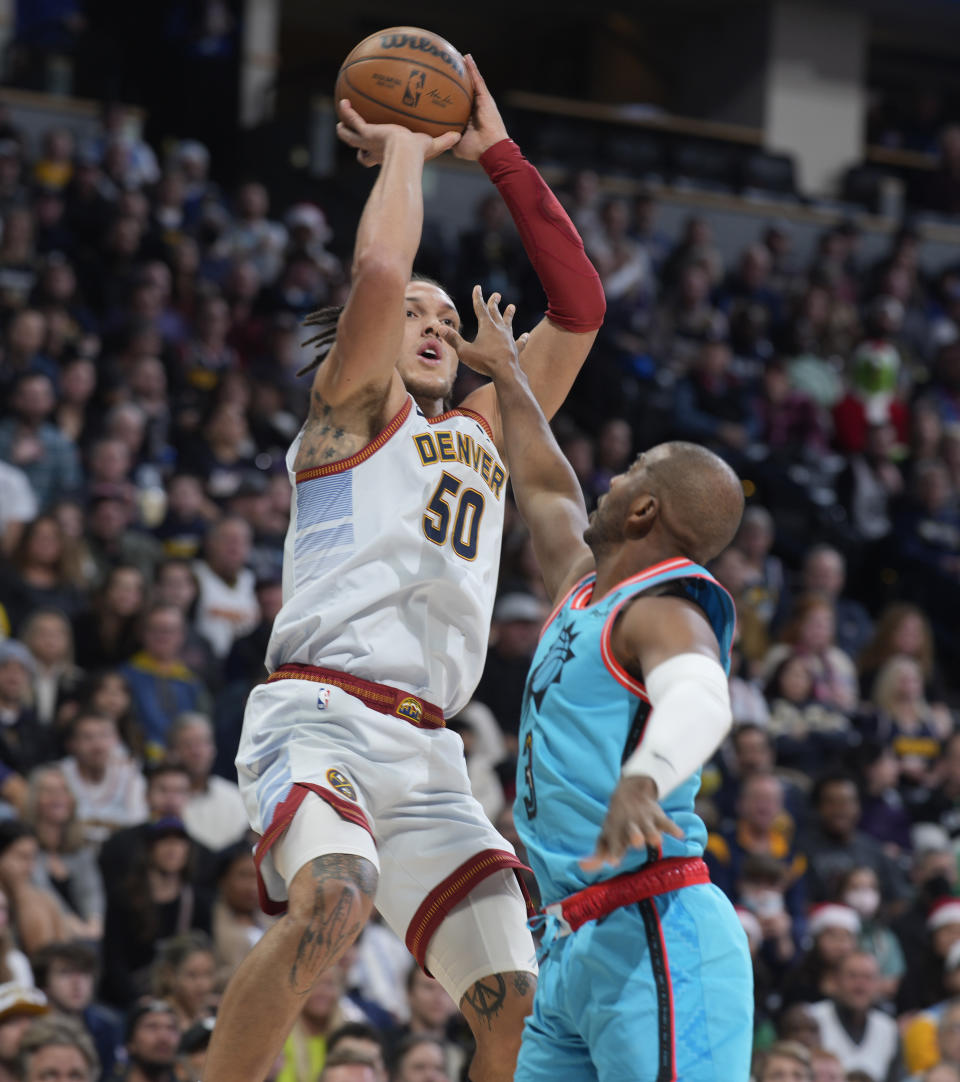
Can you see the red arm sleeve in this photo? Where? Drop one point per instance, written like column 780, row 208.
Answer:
column 575, row 299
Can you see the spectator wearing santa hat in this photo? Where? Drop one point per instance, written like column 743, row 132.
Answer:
column 834, row 929
column 923, row 984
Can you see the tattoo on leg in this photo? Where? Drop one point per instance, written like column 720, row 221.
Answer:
column 487, row 997
column 330, row 928
column 522, row 983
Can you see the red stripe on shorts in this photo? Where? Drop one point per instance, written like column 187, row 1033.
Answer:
column 282, row 818
column 452, row 890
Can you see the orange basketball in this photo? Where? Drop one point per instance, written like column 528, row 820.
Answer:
column 403, row 75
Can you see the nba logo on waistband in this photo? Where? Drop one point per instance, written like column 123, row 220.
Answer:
column 411, row 709
column 340, row 783
column 323, row 697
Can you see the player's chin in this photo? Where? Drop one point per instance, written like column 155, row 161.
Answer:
column 422, row 385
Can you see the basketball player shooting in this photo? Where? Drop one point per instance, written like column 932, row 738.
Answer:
column 645, row 974
column 358, row 791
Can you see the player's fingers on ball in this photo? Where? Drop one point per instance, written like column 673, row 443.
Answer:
column 479, row 86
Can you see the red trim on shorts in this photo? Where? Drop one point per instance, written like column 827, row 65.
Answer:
column 461, row 412
column 450, row 892
column 283, row 816
column 380, row 697
column 364, row 453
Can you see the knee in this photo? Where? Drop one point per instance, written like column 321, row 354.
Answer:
column 329, row 902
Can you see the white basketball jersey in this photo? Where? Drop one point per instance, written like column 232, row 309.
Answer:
column 391, row 558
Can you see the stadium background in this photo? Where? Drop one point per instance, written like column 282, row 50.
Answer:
column 770, row 192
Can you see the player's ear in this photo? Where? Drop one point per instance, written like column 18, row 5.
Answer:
column 641, row 516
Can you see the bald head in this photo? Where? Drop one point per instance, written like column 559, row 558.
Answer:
column 700, row 496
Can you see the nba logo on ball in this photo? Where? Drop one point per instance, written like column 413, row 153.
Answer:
column 323, row 698
column 340, row 783
column 411, row 710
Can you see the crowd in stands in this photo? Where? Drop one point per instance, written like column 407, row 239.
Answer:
column 149, row 340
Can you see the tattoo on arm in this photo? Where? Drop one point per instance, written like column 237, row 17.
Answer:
column 522, row 983
column 338, row 880
column 487, row 997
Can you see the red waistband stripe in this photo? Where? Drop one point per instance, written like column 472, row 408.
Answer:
column 380, row 697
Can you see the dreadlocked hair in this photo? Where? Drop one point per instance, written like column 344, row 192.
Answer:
column 324, row 320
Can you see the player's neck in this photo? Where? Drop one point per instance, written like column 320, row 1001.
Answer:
column 430, row 407
column 622, row 561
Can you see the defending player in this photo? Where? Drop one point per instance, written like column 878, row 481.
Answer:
column 359, row 793
column 626, row 699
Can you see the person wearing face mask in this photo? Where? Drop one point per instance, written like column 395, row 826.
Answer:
column 860, row 890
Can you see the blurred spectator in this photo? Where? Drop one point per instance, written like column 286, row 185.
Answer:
column 928, row 980
column 489, row 252
column 884, row 815
column 762, row 828
column 825, row 575
column 905, row 721
column 215, row 813
column 810, row 634
column 431, row 1012
column 853, row 1028
column 902, row 628
column 808, row 732
column 43, row 572
column 66, row 974
column 66, row 864
column 56, row 679
column 784, row 1061
column 39, row 917
column 187, row 517
column 155, row 900
column 940, row 802
column 834, row 930
column 710, row 405
column 238, row 922
column 153, row 1037
column 18, row 506
column 325, row 1009
column 227, row 606
column 928, row 528
column 870, row 483
column 24, row 743
column 419, row 1058
column 57, row 1048
column 253, row 235
column 860, row 889
column 106, row 634
column 834, row 845
column 107, row 786
column 685, row 318
column 788, row 421
column 933, row 1036
column 360, row 1040
column 19, row 1007
column 111, row 537
column 872, row 398
column 184, row 975
column 161, row 683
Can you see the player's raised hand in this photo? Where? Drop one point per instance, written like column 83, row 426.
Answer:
column 634, row 819
column 370, row 140
column 485, row 126
column 493, row 352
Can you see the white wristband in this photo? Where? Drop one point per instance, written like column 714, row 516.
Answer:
column 690, row 715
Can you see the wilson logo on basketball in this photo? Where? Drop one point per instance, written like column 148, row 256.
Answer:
column 411, row 709
column 423, row 45
column 340, row 783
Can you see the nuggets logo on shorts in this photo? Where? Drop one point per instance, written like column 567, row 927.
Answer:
column 340, row 783
column 411, row 709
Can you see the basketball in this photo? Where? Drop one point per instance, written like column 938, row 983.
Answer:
column 403, row 75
